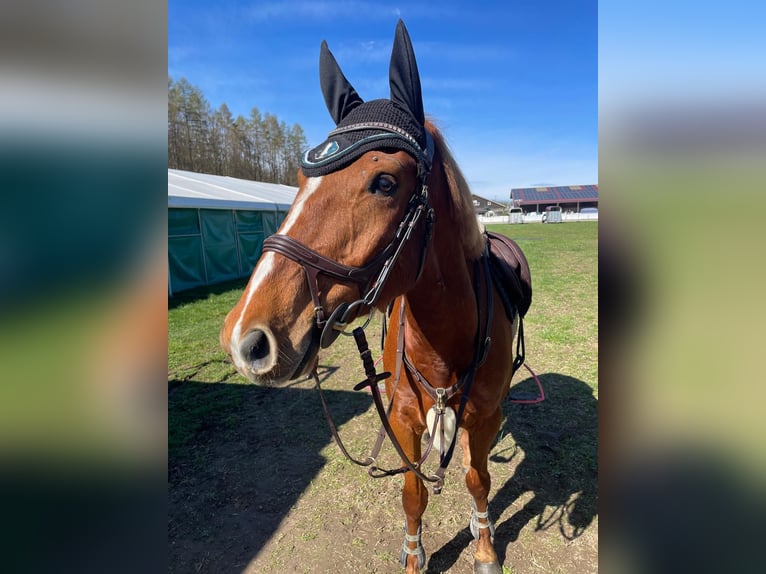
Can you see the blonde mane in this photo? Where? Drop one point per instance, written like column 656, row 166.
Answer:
column 461, row 207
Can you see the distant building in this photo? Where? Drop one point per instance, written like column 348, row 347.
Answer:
column 488, row 207
column 568, row 197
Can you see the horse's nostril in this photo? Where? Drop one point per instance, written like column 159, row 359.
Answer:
column 255, row 347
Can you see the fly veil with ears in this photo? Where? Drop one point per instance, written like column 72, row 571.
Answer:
column 396, row 123
column 384, row 124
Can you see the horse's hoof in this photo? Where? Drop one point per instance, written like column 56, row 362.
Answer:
column 482, row 568
column 419, row 552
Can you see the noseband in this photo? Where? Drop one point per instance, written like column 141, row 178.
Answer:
column 371, row 277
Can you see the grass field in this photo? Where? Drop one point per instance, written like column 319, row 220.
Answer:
column 239, row 500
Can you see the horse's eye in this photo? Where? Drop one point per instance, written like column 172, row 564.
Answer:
column 384, row 183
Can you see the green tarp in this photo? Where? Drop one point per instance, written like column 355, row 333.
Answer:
column 207, row 246
column 219, row 238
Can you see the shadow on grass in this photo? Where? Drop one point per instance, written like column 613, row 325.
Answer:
column 197, row 293
column 559, row 440
column 239, row 457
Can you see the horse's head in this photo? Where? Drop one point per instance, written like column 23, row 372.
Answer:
column 343, row 248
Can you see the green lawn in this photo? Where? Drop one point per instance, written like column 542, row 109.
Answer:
column 561, row 326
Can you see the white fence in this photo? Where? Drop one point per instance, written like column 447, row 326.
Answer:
column 530, row 218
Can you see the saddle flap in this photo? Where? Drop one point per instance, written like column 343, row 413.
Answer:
column 510, row 271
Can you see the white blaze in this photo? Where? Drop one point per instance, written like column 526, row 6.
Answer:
column 312, row 184
column 265, row 267
column 262, row 271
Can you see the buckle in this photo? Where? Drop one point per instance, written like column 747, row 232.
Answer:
column 441, row 399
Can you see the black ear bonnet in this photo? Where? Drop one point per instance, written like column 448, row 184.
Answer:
column 395, row 124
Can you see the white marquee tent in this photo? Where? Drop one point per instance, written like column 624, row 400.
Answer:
column 217, row 224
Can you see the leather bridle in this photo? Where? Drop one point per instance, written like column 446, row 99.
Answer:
column 371, row 277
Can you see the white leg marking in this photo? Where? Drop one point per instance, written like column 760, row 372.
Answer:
column 312, row 184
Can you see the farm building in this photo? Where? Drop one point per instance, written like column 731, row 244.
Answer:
column 217, row 224
column 488, row 207
column 568, row 197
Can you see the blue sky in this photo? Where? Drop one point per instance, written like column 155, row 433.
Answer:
column 513, row 85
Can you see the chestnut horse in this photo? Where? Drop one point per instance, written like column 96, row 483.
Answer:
column 385, row 220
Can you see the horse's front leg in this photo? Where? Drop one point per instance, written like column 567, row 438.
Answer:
column 414, row 498
column 476, row 444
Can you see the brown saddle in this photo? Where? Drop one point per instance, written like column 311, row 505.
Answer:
column 510, row 272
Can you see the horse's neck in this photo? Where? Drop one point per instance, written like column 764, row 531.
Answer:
column 441, row 316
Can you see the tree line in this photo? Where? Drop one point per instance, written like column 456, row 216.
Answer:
column 204, row 140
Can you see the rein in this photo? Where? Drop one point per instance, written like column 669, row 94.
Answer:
column 440, row 395
column 370, row 279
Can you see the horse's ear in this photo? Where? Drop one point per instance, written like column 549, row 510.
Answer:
column 339, row 95
column 403, row 75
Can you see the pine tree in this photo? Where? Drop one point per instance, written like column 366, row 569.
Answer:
column 260, row 148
